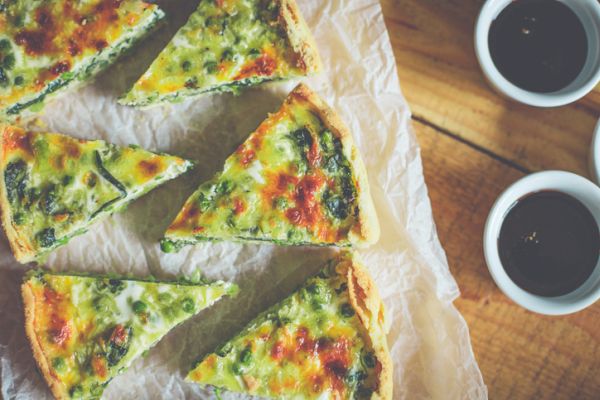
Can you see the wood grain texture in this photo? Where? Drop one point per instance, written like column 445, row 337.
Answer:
column 440, row 76
column 474, row 144
column 522, row 355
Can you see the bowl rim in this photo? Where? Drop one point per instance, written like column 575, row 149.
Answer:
column 595, row 154
column 507, row 88
column 567, row 182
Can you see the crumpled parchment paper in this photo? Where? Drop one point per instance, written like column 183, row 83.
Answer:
column 428, row 338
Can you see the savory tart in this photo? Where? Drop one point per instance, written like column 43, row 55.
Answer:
column 47, row 46
column 325, row 341
column 53, row 187
column 226, row 45
column 297, row 180
column 85, row 330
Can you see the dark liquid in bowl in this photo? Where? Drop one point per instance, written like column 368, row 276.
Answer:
column 538, row 45
column 549, row 243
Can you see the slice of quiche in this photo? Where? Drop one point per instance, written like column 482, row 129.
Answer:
column 47, row 46
column 53, row 187
column 297, row 180
column 325, row 341
column 226, row 45
column 85, row 330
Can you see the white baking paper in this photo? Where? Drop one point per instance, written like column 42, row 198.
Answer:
column 428, row 338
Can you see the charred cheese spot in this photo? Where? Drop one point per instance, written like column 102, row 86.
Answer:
column 264, row 65
column 17, row 139
column 99, row 366
column 149, row 168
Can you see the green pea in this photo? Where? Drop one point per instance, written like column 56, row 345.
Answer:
column 281, row 203
column 4, row 44
column 101, row 304
column 45, row 237
column 67, row 179
column 254, row 52
column 224, row 187
column 186, row 65
column 347, row 310
column 76, row 391
column 316, row 305
column 191, row 83
column 19, row 218
column 211, row 67
column 97, row 389
column 139, row 307
column 313, row 288
column 327, row 141
column 164, row 297
column 227, row 55
column 116, row 285
column 368, row 359
column 354, row 377
column 246, row 356
column 19, row 80
column 58, row 363
column 188, row 305
column 237, row 368
column 223, row 349
column 167, row 246
column 3, row 77
column 9, row 61
column 363, row 393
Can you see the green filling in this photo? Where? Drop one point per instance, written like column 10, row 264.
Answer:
column 284, row 149
column 51, row 205
column 127, row 317
column 211, row 50
column 313, row 315
column 81, row 72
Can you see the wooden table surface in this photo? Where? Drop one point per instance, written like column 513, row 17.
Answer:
column 474, row 144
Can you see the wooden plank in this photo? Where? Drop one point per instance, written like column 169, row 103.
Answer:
column 433, row 44
column 521, row 354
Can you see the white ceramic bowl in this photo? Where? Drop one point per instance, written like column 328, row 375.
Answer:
column 588, row 12
column 580, row 188
column 595, row 155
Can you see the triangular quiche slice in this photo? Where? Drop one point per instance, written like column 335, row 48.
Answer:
column 53, row 187
column 297, row 180
column 85, row 330
column 51, row 45
column 325, row 341
column 226, row 45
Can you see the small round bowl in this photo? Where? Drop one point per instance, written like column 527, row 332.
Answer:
column 588, row 12
column 595, row 155
column 580, row 188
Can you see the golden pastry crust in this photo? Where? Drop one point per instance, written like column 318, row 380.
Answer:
column 369, row 224
column 58, row 389
column 21, row 247
column 367, row 303
column 300, row 37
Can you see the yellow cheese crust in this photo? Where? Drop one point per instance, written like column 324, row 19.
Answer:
column 298, row 179
column 53, row 187
column 227, row 45
column 327, row 340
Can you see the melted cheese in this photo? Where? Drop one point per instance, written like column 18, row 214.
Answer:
column 49, row 45
column 309, row 346
column 57, row 186
column 223, row 46
column 289, row 182
column 107, row 323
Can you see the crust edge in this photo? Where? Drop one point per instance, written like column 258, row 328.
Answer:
column 21, row 250
column 367, row 303
column 369, row 223
column 29, row 304
column 300, row 36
